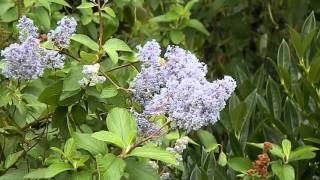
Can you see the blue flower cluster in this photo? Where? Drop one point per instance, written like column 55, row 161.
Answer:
column 176, row 87
column 61, row 35
column 28, row 60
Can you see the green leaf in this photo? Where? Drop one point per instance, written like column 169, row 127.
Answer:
column 283, row 58
column 5, row 6
column 303, row 152
column 10, row 15
column 110, row 167
column 222, row 160
column 112, row 46
column 283, row 171
column 286, row 147
column 15, row 174
column 43, row 17
column 296, row 40
column 12, row 159
column 156, row 153
column 109, row 137
column 176, row 36
column 275, row 150
column 208, row 140
column 122, row 123
column 168, row 17
column 314, row 140
column 61, row 2
column 115, row 44
column 79, row 114
column 88, row 58
column 51, row 94
column 314, row 69
column 86, row 142
column 109, row 92
column 197, row 25
column 86, row 5
column 86, row 41
column 71, row 81
column 240, row 164
column 45, row 4
column 274, row 97
column 49, row 172
column 309, row 25
column 109, row 11
column 69, row 147
column 139, row 170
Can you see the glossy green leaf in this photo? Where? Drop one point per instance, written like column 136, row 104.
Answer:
column 240, row 164
column 12, row 159
column 197, row 25
column 303, row 152
column 86, row 5
column 138, row 170
column 90, row 144
column 222, row 160
column 86, row 41
column 283, row 171
column 109, row 92
column 49, row 172
column 208, row 140
column 284, row 57
column 110, row 167
column 286, row 147
column 123, row 124
column 275, row 150
column 154, row 153
column 109, row 137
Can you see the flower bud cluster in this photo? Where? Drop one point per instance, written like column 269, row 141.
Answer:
column 179, row 147
column 165, row 176
column 91, row 76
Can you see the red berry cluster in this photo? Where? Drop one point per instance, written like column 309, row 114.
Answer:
column 260, row 166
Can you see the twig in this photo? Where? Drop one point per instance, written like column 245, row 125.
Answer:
column 19, row 8
column 122, row 66
column 153, row 135
column 112, row 82
column 271, row 16
column 36, row 122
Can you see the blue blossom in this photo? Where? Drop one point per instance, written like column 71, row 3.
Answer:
column 27, row 60
column 61, row 35
column 146, row 84
column 23, row 61
column 176, row 87
column 149, row 53
column 26, row 28
column 194, row 104
column 182, row 64
column 144, row 126
column 54, row 59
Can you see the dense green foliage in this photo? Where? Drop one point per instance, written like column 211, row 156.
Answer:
column 54, row 128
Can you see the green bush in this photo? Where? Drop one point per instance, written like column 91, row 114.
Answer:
column 51, row 127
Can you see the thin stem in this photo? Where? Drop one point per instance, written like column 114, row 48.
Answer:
column 271, row 16
column 112, row 82
column 153, row 135
column 100, row 39
column 122, row 66
column 36, row 122
column 19, row 7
